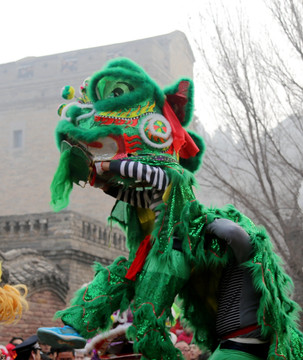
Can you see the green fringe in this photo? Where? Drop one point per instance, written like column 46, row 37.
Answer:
column 92, row 306
column 194, row 163
column 125, row 215
column 155, row 289
column 62, row 184
column 155, row 344
column 277, row 314
column 121, row 215
column 73, row 168
column 180, row 176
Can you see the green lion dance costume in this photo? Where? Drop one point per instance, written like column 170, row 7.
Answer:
column 127, row 136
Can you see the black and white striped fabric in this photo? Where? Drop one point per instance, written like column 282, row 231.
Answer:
column 238, row 303
column 153, row 175
column 228, row 316
column 145, row 198
column 238, row 300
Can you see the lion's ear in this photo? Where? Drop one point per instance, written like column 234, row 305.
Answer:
column 180, row 97
column 193, row 163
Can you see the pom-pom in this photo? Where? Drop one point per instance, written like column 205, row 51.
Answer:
column 60, row 109
column 83, row 87
column 12, row 303
column 68, row 92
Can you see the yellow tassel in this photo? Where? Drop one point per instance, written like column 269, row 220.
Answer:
column 166, row 193
column 147, row 219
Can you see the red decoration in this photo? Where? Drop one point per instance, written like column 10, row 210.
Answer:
column 183, row 143
column 139, row 260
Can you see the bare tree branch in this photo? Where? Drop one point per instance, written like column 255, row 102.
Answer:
column 253, row 157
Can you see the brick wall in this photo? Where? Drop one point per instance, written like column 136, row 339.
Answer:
column 42, row 307
column 52, row 254
column 68, row 240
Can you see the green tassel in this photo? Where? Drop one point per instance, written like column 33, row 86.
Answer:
column 61, row 185
column 108, row 292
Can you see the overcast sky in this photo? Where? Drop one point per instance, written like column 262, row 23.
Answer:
column 42, row 27
column 45, row 27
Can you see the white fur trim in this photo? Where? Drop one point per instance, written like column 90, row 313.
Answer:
column 81, row 106
column 111, row 334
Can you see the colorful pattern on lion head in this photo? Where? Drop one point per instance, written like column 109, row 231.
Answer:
column 123, row 113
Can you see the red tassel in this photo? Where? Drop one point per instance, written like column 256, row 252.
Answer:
column 139, row 260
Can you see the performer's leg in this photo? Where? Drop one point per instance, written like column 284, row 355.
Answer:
column 155, row 291
column 93, row 305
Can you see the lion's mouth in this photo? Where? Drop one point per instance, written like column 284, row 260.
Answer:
column 103, row 149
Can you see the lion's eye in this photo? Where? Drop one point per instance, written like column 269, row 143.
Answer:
column 116, row 92
column 109, row 87
column 119, row 88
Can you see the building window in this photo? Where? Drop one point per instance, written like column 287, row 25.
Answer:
column 25, row 72
column 17, row 139
column 69, row 65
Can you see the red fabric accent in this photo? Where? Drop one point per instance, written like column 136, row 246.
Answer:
column 179, row 100
column 177, row 328
column 187, row 337
column 11, row 350
column 93, row 177
column 182, row 142
column 239, row 332
column 190, row 149
column 139, row 260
